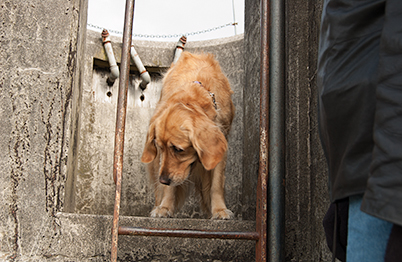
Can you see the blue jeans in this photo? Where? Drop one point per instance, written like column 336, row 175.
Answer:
column 367, row 235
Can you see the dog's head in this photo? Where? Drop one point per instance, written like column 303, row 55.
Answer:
column 182, row 135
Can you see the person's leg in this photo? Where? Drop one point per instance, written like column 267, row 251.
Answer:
column 339, row 209
column 367, row 235
column 394, row 247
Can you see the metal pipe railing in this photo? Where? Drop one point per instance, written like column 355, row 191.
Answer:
column 121, row 120
column 276, row 181
column 262, row 204
column 187, row 233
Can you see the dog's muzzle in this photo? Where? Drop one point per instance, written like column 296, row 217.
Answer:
column 164, row 179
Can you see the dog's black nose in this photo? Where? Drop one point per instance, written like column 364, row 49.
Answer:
column 165, row 180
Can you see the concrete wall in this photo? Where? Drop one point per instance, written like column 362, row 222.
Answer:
column 56, row 190
column 306, row 173
column 306, row 178
column 39, row 83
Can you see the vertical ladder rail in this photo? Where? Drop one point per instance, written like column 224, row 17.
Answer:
column 262, row 185
column 121, row 120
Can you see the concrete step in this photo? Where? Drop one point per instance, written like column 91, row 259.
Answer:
column 89, row 236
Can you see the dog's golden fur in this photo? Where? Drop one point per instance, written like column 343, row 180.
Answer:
column 187, row 134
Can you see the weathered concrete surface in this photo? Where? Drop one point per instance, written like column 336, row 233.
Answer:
column 306, row 179
column 39, row 73
column 251, row 100
column 93, row 233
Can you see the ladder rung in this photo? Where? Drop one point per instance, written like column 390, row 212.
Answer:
column 187, row 233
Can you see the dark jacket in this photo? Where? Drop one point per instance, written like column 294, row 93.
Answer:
column 360, row 102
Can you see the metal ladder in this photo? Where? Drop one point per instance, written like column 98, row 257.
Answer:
column 261, row 233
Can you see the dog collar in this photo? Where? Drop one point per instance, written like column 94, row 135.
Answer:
column 210, row 93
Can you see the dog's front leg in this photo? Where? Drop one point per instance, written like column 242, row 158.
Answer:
column 166, row 206
column 218, row 206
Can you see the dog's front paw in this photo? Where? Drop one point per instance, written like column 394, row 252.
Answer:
column 222, row 214
column 161, row 212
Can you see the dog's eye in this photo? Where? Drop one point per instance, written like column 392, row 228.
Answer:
column 177, row 149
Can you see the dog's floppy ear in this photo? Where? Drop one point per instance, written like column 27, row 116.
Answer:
column 209, row 142
column 149, row 152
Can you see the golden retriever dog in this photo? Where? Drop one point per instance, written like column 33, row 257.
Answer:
column 186, row 142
